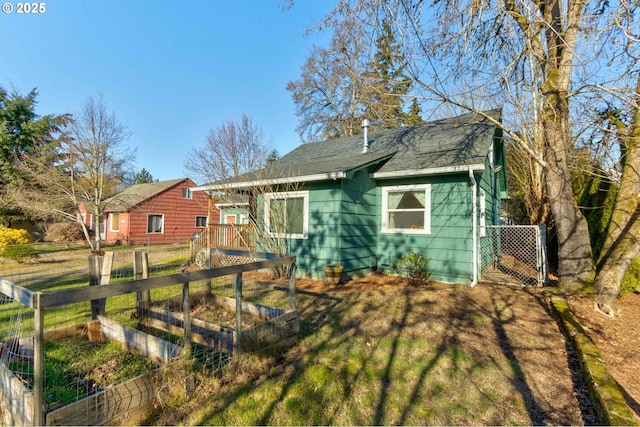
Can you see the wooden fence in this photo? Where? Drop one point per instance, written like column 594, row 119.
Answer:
column 225, row 236
column 27, row 404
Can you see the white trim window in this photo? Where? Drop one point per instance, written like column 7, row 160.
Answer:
column 406, row 209
column 186, row 193
column 287, row 214
column 155, row 224
column 114, row 224
column 201, row 221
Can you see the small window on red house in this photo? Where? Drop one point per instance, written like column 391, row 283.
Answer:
column 186, row 193
column 155, row 224
column 201, row 221
column 115, row 221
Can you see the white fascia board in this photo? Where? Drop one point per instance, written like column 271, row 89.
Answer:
column 231, row 204
column 428, row 171
column 288, row 180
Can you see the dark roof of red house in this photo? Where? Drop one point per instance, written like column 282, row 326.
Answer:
column 138, row 193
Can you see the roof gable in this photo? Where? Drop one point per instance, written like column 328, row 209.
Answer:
column 138, row 193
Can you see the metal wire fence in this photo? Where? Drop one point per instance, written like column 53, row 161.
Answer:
column 514, row 255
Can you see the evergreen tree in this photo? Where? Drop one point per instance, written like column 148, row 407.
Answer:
column 388, row 84
column 143, row 177
column 273, row 157
column 21, row 132
column 413, row 117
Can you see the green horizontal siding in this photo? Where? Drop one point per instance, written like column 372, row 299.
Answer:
column 345, row 223
column 449, row 245
column 359, row 224
column 345, row 227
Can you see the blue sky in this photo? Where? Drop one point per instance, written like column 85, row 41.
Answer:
column 170, row 70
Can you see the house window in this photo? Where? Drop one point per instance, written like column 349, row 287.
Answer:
column 287, row 214
column 406, row 209
column 115, row 221
column 201, row 221
column 155, row 224
column 230, row 219
column 186, row 193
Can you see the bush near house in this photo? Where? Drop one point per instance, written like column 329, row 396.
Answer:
column 12, row 236
column 62, row 232
column 414, row 267
column 20, row 252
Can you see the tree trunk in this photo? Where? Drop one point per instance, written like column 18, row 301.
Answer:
column 609, row 279
column 623, row 233
column 86, row 233
column 627, row 199
column 575, row 263
column 575, row 260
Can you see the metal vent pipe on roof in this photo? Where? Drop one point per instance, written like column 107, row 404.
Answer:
column 365, row 126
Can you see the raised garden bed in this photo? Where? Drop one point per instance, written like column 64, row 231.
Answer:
column 213, row 323
column 102, row 365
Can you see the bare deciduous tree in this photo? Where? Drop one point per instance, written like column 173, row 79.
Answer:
column 229, row 151
column 85, row 168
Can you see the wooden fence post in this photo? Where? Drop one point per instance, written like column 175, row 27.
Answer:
column 38, row 362
column 208, row 268
column 238, row 292
column 186, row 322
column 292, row 286
column 141, row 271
column 95, row 269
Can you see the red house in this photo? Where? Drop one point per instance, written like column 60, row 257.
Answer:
column 154, row 212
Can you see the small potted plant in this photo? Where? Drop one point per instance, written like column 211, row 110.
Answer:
column 333, row 273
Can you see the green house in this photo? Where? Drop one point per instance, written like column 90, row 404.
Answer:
column 364, row 201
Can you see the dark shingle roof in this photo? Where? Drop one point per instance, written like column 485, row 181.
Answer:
column 412, row 150
column 135, row 194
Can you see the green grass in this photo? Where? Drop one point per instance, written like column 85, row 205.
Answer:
column 353, row 385
column 356, row 366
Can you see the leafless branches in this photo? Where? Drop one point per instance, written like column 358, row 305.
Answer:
column 229, row 151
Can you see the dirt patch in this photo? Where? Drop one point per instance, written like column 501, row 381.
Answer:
column 618, row 341
column 373, row 282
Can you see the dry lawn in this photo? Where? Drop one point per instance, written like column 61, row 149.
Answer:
column 376, row 351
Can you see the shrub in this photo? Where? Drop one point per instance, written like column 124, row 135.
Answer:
column 631, row 279
column 414, row 267
column 62, row 232
column 20, row 252
column 12, row 236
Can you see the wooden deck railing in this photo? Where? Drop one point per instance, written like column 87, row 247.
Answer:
column 225, row 236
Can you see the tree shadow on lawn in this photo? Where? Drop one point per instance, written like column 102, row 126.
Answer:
column 456, row 356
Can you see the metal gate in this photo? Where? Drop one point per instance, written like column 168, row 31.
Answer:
column 514, row 255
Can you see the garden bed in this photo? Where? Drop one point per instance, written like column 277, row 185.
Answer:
column 97, row 373
column 213, row 322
